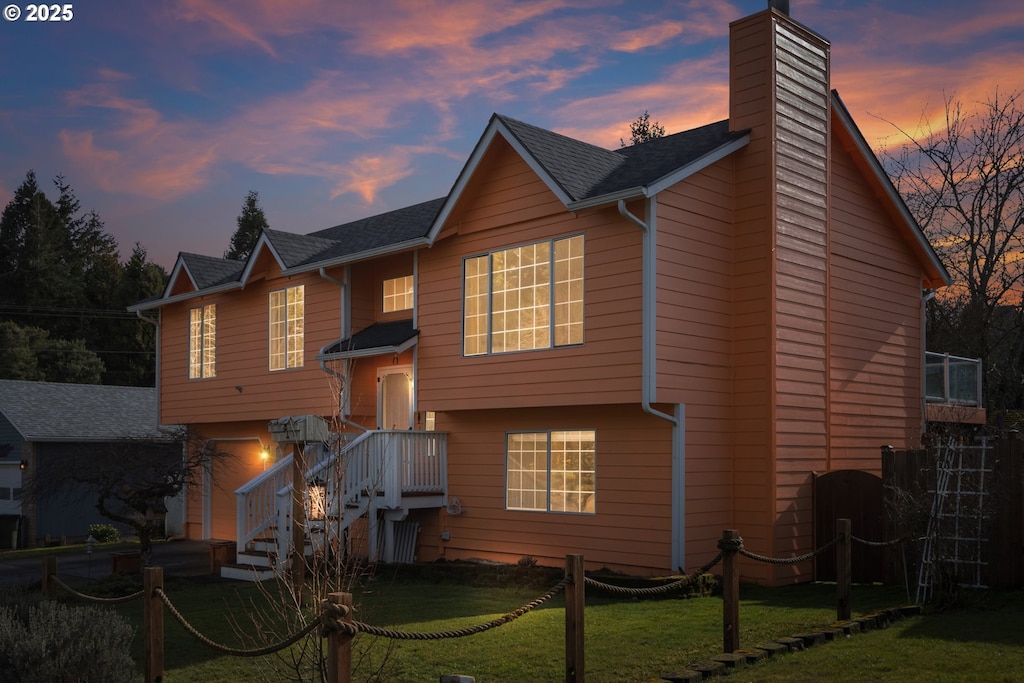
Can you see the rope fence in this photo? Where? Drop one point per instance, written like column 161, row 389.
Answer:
column 336, row 624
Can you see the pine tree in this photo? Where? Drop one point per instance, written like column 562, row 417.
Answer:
column 251, row 223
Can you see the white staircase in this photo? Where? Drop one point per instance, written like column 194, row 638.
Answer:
column 380, row 475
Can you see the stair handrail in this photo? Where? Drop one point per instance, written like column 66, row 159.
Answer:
column 256, row 501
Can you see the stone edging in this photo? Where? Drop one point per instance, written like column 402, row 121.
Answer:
column 724, row 664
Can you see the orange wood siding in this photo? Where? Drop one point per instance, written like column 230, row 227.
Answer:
column 368, row 289
column 694, row 332
column 507, row 206
column 877, row 348
column 631, row 528
column 242, row 357
column 237, row 460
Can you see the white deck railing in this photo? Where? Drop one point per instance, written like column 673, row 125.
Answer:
column 379, row 465
column 952, row 379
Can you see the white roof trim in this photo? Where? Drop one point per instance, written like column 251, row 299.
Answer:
column 894, row 196
column 698, row 164
column 494, row 128
column 367, row 353
column 157, row 303
column 263, row 241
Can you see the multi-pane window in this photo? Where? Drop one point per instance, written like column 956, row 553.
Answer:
column 552, row 471
column 287, row 318
column 398, row 294
column 202, row 342
column 523, row 298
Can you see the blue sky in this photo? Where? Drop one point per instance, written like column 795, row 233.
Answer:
column 162, row 114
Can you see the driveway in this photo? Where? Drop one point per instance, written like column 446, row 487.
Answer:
column 178, row 558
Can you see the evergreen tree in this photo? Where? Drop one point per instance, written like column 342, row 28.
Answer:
column 251, row 223
column 60, row 274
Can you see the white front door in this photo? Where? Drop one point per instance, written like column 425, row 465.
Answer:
column 394, row 397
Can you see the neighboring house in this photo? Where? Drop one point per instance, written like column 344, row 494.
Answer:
column 47, row 425
column 618, row 353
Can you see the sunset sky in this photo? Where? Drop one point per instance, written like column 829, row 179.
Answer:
column 162, row 114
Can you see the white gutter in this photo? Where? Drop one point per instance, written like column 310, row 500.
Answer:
column 648, row 387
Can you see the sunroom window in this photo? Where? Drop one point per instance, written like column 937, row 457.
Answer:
column 524, row 298
column 287, row 327
column 202, row 342
column 551, row 471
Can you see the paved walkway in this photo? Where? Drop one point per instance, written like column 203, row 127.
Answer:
column 178, row 558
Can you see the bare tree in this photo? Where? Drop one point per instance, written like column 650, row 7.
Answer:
column 964, row 183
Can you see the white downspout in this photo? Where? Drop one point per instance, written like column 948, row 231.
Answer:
column 345, row 314
column 648, row 393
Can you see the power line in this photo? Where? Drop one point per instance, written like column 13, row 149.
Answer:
column 54, row 312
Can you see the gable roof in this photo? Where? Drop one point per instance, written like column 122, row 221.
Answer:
column 582, row 175
column 50, row 411
column 377, row 339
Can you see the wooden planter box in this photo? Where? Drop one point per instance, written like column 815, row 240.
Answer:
column 126, row 562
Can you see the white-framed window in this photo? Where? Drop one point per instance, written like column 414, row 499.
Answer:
column 551, row 471
column 524, row 298
column 202, row 342
column 398, row 294
column 287, row 327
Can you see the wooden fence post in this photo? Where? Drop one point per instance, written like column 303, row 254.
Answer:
column 844, row 570
column 339, row 643
column 153, row 624
column 729, row 545
column 575, row 590
column 49, row 574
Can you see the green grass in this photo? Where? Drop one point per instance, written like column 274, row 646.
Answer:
column 626, row 640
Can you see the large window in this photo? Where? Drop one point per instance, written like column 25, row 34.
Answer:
column 287, row 325
column 398, row 294
column 202, row 342
column 524, row 298
column 552, row 471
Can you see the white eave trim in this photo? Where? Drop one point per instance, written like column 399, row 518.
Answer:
column 664, row 182
column 894, row 196
column 495, row 128
column 157, row 303
column 358, row 256
column 368, row 353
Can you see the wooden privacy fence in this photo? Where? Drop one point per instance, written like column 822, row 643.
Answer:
column 335, row 621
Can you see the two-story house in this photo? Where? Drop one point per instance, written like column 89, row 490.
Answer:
column 618, row 353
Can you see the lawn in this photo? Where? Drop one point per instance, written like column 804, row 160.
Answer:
column 627, row 640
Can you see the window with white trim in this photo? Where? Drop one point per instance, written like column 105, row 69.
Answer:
column 551, row 471
column 202, row 342
column 524, row 298
column 398, row 294
column 287, row 327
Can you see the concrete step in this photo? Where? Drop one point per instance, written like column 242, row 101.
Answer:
column 247, row 572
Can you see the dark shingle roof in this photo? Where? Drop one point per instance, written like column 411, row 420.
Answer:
column 375, row 232
column 296, row 250
column 376, row 336
column 210, row 271
column 49, row 411
column 576, row 166
column 585, row 171
column 581, row 170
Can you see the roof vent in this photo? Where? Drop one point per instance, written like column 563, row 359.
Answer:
column 781, row 5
